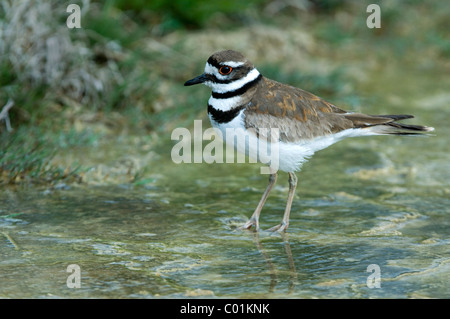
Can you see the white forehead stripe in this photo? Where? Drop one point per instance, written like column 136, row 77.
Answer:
column 233, row 64
column 211, row 69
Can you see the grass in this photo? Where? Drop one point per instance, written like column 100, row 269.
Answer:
column 27, row 158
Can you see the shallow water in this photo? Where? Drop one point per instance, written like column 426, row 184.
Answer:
column 380, row 201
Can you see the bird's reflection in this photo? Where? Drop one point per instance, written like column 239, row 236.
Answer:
column 273, row 272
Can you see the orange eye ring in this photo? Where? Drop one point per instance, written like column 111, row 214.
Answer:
column 225, row 70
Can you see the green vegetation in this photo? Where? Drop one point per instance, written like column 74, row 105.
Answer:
column 25, row 156
column 121, row 74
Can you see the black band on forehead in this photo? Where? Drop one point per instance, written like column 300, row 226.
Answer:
column 214, row 62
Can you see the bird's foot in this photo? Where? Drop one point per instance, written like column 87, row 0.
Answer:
column 251, row 222
column 282, row 227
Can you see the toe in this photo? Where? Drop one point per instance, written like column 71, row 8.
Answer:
column 250, row 223
column 279, row 228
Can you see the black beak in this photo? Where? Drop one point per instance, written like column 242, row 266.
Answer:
column 199, row 79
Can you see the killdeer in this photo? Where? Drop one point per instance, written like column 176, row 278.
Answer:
column 243, row 98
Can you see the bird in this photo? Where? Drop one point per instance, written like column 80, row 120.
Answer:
column 245, row 100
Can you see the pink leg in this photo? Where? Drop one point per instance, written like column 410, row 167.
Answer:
column 285, row 222
column 254, row 220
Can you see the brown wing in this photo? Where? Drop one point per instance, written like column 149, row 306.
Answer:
column 299, row 114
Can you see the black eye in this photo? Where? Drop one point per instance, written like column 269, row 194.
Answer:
column 225, row 70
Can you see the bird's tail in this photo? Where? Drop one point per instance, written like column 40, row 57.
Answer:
column 395, row 128
column 387, row 124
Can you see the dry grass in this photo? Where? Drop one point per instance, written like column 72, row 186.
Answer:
column 40, row 50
